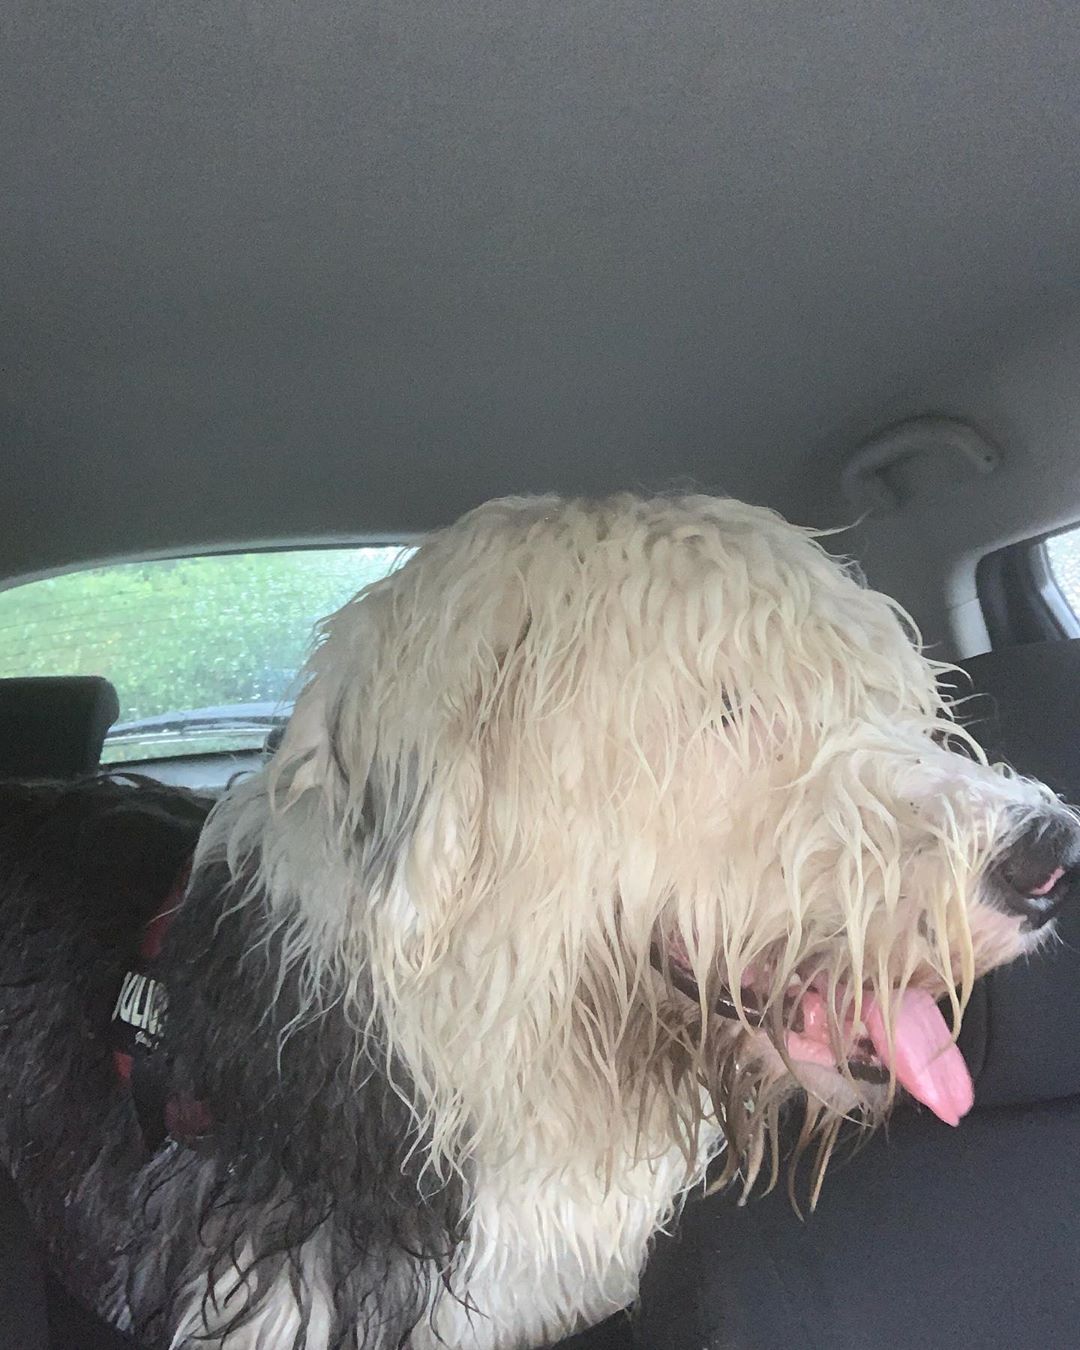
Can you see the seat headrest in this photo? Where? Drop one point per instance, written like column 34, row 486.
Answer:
column 54, row 726
column 1021, row 1033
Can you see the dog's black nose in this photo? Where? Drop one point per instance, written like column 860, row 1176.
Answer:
column 1039, row 873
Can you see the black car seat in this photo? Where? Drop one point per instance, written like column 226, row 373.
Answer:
column 614, row 1334
column 928, row 1238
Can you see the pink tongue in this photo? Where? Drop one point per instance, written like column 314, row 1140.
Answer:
column 924, row 1057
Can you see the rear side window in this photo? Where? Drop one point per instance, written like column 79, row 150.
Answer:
column 1063, row 563
column 204, row 652
column 1030, row 591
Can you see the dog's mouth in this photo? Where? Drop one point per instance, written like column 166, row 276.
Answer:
column 920, row 1053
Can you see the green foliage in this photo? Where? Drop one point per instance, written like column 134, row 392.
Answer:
column 188, row 633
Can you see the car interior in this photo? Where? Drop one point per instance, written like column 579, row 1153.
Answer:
column 287, row 286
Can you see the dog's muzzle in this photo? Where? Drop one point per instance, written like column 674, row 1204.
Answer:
column 1038, row 875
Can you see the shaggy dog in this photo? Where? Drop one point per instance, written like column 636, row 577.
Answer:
column 602, row 835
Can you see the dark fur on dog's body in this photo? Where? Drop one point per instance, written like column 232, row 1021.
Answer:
column 84, row 868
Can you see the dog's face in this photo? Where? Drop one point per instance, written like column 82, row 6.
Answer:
column 868, row 872
column 627, row 799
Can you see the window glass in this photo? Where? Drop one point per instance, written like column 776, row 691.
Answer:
column 203, row 652
column 1063, row 557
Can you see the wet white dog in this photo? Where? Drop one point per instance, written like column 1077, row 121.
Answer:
column 602, row 833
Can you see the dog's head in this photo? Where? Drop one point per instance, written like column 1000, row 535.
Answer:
column 617, row 815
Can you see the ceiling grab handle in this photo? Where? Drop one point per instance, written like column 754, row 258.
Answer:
column 863, row 479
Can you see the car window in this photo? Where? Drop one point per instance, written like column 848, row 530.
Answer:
column 204, row 652
column 1063, row 559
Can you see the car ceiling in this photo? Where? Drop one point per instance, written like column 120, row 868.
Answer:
column 297, row 270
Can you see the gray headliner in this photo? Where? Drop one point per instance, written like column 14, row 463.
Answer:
column 276, row 269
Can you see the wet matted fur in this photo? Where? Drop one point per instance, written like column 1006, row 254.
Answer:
column 581, row 814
